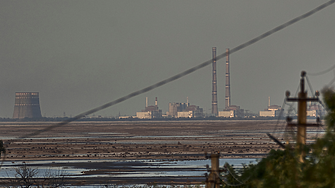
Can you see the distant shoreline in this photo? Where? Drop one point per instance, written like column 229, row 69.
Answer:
column 59, row 119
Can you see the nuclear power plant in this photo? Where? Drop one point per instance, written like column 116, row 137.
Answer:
column 185, row 110
column 27, row 105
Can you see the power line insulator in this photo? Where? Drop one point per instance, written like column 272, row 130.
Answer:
column 317, row 93
column 303, row 73
column 287, row 93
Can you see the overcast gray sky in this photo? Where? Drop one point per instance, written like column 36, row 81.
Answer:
column 80, row 54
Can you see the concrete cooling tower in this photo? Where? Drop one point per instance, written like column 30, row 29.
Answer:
column 27, row 105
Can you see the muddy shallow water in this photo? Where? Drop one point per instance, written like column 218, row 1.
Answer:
column 121, row 171
column 86, row 149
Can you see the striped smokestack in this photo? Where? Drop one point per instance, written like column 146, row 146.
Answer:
column 214, row 90
column 227, row 100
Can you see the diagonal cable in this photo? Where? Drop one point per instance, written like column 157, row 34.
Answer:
column 322, row 72
column 189, row 71
column 331, row 82
column 280, row 116
column 310, row 86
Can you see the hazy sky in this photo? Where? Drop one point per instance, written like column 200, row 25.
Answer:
column 80, row 54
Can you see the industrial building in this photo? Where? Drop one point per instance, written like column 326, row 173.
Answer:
column 186, row 114
column 315, row 110
column 271, row 111
column 184, row 110
column 227, row 113
column 232, row 111
column 27, row 105
column 174, row 108
column 150, row 112
column 192, row 111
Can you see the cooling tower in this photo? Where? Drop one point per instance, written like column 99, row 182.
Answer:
column 27, row 105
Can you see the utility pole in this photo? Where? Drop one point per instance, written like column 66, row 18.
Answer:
column 213, row 180
column 302, row 115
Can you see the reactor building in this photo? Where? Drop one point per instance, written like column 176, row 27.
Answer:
column 149, row 112
column 27, row 105
column 174, row 108
column 271, row 111
column 191, row 111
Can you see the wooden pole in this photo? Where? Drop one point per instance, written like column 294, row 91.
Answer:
column 214, row 176
column 302, row 114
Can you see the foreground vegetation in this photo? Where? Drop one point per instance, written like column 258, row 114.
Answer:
column 282, row 169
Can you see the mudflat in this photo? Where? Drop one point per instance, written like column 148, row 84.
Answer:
column 138, row 139
column 135, row 141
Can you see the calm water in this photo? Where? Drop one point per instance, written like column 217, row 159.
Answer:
column 142, row 168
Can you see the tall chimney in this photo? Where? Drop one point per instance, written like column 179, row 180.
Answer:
column 187, row 102
column 227, row 99
column 269, row 102
column 214, row 90
column 146, row 101
column 156, row 104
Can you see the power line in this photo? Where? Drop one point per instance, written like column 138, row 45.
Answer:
column 189, row 71
column 331, row 82
column 280, row 116
column 322, row 72
column 310, row 86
